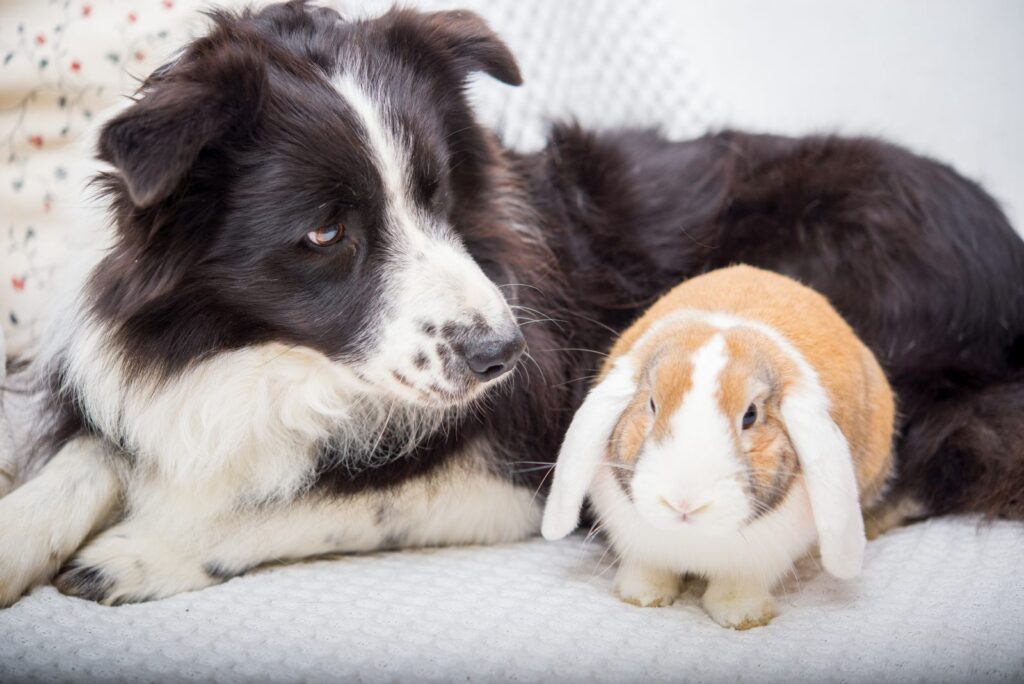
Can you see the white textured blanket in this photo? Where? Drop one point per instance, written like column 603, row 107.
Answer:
column 939, row 601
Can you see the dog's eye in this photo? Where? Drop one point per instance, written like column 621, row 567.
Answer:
column 654, row 407
column 325, row 236
column 750, row 416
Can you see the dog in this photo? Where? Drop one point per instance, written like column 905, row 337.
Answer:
column 337, row 315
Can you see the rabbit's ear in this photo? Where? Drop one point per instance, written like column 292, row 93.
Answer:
column 584, row 448
column 828, row 473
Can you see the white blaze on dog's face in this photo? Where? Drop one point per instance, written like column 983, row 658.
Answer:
column 446, row 330
column 702, row 445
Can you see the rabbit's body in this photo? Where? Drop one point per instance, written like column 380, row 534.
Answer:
column 736, row 423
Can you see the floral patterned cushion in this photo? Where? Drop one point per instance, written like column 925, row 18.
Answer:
column 62, row 62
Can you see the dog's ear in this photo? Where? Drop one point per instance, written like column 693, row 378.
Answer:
column 472, row 44
column 183, row 109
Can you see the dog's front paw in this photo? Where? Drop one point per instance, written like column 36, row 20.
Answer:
column 738, row 606
column 124, row 566
column 646, row 587
column 29, row 551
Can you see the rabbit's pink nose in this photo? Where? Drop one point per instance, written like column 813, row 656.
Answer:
column 686, row 508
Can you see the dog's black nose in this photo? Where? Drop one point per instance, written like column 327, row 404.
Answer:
column 491, row 357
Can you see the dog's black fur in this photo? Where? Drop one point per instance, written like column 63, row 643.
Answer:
column 240, row 137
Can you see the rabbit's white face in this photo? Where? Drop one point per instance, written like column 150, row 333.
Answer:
column 689, row 474
column 702, row 446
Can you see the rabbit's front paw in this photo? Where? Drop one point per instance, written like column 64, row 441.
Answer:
column 738, row 605
column 646, row 587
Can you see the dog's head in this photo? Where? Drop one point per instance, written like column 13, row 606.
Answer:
column 293, row 177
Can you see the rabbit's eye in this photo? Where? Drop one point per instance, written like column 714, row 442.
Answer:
column 653, row 406
column 750, row 417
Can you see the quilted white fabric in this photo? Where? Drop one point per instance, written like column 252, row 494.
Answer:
column 939, row 601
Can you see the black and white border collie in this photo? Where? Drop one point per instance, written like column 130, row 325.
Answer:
column 338, row 316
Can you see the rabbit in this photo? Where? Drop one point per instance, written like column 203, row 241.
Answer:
column 736, row 423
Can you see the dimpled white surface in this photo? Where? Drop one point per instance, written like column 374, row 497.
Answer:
column 938, row 601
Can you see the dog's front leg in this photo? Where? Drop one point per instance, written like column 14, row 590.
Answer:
column 160, row 547
column 179, row 541
column 46, row 519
